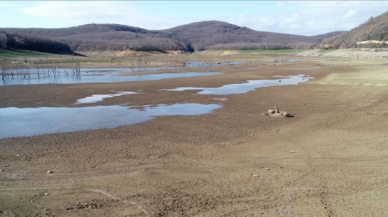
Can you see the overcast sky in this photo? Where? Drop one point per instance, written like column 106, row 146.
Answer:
column 294, row 17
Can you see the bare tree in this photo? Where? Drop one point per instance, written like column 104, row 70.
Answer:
column 4, row 68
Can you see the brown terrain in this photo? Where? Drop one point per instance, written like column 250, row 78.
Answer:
column 329, row 160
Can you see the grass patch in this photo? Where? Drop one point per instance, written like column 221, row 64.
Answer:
column 19, row 53
column 324, row 50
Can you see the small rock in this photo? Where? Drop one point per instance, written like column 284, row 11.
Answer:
column 254, row 175
column 17, row 155
column 50, row 171
column 46, row 194
column 292, row 151
column 1, row 170
column 267, row 168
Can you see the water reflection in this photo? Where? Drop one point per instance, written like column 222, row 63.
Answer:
column 245, row 87
column 18, row 122
column 62, row 78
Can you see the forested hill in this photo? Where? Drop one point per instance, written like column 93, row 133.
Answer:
column 373, row 33
column 191, row 37
column 24, row 41
column 100, row 37
column 218, row 35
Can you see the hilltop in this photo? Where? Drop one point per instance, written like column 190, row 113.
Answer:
column 220, row 35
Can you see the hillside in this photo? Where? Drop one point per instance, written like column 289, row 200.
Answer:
column 101, row 37
column 188, row 38
column 217, row 35
column 368, row 34
column 24, row 41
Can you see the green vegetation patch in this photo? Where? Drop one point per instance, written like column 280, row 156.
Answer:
column 8, row 53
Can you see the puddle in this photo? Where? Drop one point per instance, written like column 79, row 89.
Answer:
column 221, row 99
column 100, row 97
column 291, row 60
column 245, row 87
column 19, row 122
column 301, row 68
column 254, row 67
column 63, row 78
column 194, row 64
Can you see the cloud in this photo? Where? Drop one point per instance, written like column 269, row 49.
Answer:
column 350, row 13
column 279, row 4
column 313, row 18
column 5, row 4
column 78, row 13
column 303, row 17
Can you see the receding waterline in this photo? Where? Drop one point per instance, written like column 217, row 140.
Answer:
column 245, row 87
column 105, row 78
column 19, row 122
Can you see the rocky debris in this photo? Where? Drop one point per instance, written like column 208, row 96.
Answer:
column 49, row 171
column 277, row 113
column 274, row 113
column 352, row 53
column 94, row 204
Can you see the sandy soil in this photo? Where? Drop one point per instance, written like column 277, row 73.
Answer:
column 329, row 160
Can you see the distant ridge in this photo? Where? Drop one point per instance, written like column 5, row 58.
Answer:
column 185, row 38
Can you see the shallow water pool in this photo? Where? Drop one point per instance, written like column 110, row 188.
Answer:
column 63, row 78
column 19, row 122
column 245, row 87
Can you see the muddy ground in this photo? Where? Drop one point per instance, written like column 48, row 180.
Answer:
column 329, row 160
